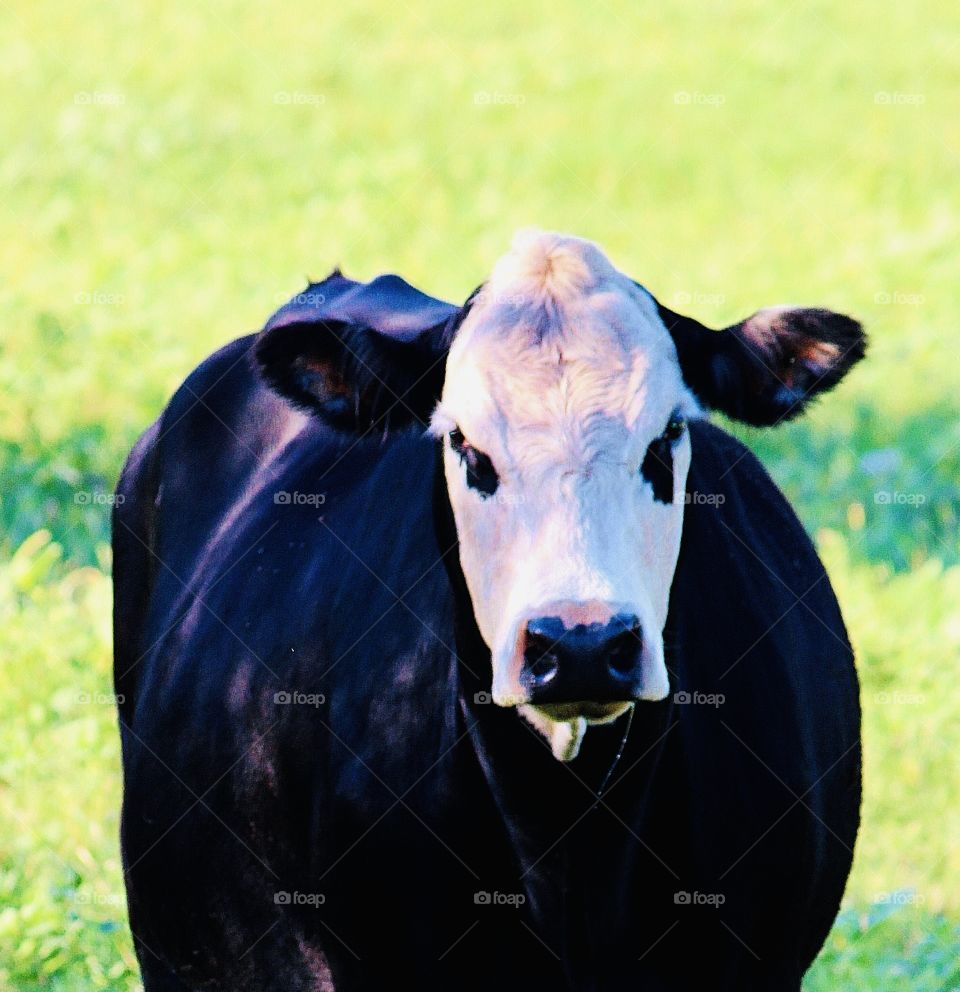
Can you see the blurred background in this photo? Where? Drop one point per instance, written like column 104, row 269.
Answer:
column 171, row 172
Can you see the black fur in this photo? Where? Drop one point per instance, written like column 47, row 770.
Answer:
column 343, row 353
column 765, row 369
column 404, row 793
column 657, row 469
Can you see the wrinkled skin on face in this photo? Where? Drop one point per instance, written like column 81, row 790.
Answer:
column 560, row 385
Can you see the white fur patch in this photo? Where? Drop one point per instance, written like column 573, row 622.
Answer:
column 563, row 374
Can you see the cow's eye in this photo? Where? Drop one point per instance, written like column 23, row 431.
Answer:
column 657, row 467
column 676, row 425
column 481, row 475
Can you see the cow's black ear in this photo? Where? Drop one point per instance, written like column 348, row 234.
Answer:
column 768, row 367
column 360, row 355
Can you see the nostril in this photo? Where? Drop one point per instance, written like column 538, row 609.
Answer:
column 540, row 660
column 624, row 652
column 544, row 669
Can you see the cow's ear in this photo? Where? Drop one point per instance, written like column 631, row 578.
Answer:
column 768, row 367
column 361, row 356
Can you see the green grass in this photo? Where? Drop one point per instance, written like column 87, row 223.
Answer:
column 171, row 171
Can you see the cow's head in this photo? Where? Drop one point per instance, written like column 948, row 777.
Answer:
column 560, row 393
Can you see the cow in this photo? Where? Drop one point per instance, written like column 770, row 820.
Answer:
column 456, row 648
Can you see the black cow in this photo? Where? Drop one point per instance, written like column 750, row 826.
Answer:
column 344, row 699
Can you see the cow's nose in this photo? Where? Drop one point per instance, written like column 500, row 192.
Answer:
column 596, row 662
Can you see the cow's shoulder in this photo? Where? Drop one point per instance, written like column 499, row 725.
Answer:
column 749, row 565
column 724, row 459
column 220, row 431
column 223, row 403
column 730, row 489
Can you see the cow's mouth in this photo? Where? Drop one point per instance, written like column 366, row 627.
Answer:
column 584, row 709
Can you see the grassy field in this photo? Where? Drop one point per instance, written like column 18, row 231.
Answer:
column 172, row 171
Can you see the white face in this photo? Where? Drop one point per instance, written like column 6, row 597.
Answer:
column 558, row 382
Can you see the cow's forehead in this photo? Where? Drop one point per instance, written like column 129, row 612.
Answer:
column 557, row 337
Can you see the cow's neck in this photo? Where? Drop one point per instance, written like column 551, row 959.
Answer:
column 504, row 729
column 539, row 797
